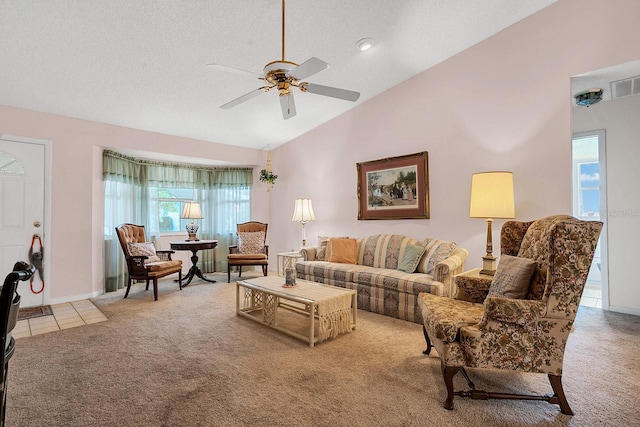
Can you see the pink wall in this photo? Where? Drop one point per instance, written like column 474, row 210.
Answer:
column 76, row 229
column 504, row 104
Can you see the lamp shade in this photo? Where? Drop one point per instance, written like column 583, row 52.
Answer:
column 303, row 211
column 191, row 210
column 492, row 195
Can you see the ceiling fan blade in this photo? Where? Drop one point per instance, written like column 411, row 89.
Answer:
column 235, row 70
column 334, row 92
column 245, row 97
column 308, row 68
column 288, row 106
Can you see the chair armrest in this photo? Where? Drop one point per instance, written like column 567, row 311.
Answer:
column 233, row 249
column 266, row 250
column 309, row 254
column 138, row 262
column 165, row 255
column 516, row 311
column 472, row 288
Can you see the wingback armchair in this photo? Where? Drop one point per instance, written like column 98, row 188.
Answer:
column 480, row 329
column 143, row 261
column 251, row 249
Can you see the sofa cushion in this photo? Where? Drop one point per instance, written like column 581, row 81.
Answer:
column 410, row 258
column 161, row 266
column 342, row 250
column 435, row 251
column 383, row 250
column 329, row 273
column 144, row 249
column 250, row 242
column 512, row 277
column 396, row 280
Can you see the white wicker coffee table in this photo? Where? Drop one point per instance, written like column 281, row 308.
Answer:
column 333, row 310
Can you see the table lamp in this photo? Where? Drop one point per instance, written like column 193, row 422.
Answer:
column 491, row 197
column 303, row 213
column 191, row 210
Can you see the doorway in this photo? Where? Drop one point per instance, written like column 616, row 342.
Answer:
column 23, row 171
column 589, row 203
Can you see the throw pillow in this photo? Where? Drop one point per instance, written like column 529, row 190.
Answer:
column 411, row 258
column 342, row 250
column 323, row 244
column 323, row 241
column 435, row 251
column 512, row 277
column 250, row 242
column 142, row 249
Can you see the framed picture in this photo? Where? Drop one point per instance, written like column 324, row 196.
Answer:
column 394, row 188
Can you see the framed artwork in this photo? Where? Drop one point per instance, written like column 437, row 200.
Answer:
column 394, row 188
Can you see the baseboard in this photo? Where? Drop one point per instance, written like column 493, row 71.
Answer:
column 625, row 310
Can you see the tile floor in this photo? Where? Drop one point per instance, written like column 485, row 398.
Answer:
column 67, row 315
column 591, row 297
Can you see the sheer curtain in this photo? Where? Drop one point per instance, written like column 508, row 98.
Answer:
column 131, row 196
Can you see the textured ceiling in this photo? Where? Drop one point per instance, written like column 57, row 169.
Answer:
column 142, row 64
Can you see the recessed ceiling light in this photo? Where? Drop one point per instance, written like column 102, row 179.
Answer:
column 364, row 44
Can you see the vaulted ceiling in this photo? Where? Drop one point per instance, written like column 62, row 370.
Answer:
column 143, row 64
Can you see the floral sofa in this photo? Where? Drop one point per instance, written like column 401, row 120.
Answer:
column 382, row 287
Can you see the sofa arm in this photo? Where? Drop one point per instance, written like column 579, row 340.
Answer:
column 517, row 311
column 309, row 254
column 444, row 270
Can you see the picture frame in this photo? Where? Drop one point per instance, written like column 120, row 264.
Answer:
column 394, row 187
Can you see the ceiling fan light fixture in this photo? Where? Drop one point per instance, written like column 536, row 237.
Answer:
column 364, row 44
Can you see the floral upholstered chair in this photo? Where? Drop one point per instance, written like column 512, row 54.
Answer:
column 521, row 319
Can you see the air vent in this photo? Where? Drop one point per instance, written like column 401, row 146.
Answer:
column 626, row 87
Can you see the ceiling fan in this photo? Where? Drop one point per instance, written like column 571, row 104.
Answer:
column 284, row 75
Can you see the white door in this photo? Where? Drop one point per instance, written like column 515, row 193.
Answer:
column 22, row 175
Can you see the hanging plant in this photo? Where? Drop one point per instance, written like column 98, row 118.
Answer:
column 268, row 176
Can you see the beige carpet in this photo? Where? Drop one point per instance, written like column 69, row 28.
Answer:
column 188, row 360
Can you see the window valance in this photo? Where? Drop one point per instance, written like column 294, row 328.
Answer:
column 118, row 167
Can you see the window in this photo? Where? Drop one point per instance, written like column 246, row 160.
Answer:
column 170, row 202
column 589, row 189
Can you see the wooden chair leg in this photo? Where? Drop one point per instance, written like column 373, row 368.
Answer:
column 180, row 279
column 426, row 338
column 448, row 372
column 228, row 273
column 264, row 270
column 155, row 289
column 126, row 294
column 558, row 390
column 147, row 287
column 239, row 271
